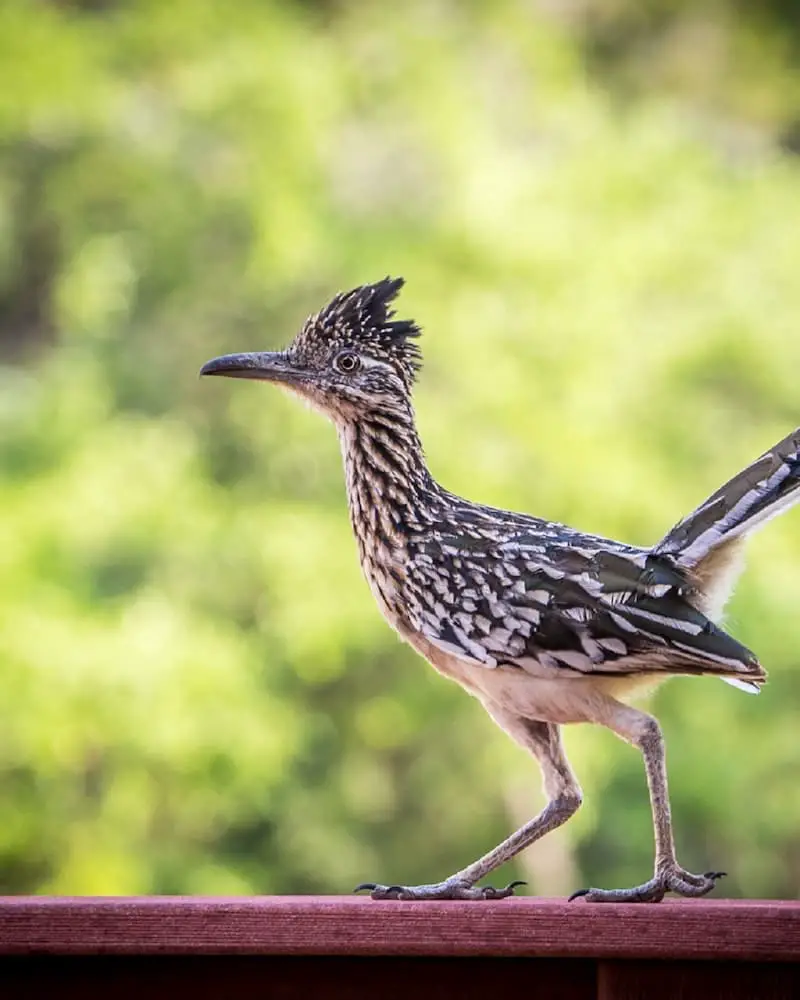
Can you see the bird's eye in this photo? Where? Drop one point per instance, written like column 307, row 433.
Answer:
column 347, row 363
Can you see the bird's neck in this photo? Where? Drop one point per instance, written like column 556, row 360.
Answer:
column 389, row 487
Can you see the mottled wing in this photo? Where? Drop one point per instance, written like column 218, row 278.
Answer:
column 565, row 604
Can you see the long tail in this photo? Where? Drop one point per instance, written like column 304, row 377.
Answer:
column 761, row 491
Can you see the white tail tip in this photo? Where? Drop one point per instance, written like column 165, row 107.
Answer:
column 750, row 687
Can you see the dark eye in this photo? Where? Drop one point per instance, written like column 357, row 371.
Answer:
column 347, row 363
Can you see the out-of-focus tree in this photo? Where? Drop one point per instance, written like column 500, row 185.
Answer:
column 198, row 694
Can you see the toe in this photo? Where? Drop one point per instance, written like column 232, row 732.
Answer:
column 378, row 891
column 490, row 892
column 649, row 892
column 699, row 886
column 684, row 883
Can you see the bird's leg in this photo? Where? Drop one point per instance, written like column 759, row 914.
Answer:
column 644, row 732
column 544, row 741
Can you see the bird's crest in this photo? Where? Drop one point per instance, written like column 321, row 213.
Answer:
column 364, row 318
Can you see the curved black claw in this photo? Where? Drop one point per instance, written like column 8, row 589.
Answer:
column 577, row 893
column 489, row 891
column 714, row 875
column 366, row 885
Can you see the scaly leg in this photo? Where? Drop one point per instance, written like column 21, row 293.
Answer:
column 644, row 732
column 543, row 739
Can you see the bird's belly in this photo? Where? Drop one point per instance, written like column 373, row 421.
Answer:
column 548, row 699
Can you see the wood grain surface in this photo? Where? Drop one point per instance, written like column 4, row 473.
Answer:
column 743, row 930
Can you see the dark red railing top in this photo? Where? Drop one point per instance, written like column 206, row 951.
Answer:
column 754, row 930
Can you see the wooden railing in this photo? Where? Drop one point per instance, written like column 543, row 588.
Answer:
column 350, row 947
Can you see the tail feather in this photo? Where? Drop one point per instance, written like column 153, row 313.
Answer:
column 749, row 687
column 761, row 491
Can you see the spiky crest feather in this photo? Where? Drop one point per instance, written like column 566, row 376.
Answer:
column 363, row 318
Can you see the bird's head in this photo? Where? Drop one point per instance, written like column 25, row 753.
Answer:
column 349, row 360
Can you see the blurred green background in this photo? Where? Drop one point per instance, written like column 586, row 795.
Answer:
column 596, row 207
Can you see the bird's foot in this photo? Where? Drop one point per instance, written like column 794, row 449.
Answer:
column 452, row 888
column 670, row 878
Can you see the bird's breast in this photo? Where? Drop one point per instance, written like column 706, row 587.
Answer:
column 383, row 556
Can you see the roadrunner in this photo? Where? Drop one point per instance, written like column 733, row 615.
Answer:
column 543, row 624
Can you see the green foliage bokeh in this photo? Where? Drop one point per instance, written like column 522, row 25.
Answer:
column 198, row 694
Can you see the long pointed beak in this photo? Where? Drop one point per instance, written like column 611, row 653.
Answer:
column 265, row 365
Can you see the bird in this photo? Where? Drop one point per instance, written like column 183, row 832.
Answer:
column 544, row 624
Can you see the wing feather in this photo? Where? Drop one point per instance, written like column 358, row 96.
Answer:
column 571, row 609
